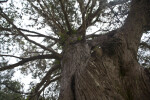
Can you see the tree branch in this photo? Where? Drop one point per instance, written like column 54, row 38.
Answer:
column 29, row 35
column 15, row 27
column 94, row 35
column 50, row 37
column 48, row 82
column 45, row 85
column 38, row 34
column 91, row 15
column 101, row 38
column 65, row 15
column 136, row 23
column 52, row 18
column 116, row 2
column 89, row 1
column 45, row 81
column 94, row 14
column 13, row 90
column 3, row 1
column 46, row 77
column 25, row 60
column 145, row 45
column 12, row 56
column 48, row 20
column 82, row 9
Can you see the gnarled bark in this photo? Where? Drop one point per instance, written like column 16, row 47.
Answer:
column 112, row 71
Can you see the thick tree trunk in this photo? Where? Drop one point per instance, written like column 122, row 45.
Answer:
column 111, row 75
column 75, row 59
column 112, row 71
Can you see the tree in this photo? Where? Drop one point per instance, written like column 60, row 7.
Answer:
column 90, row 66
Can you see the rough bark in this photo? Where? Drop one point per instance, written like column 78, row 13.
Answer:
column 75, row 59
column 111, row 72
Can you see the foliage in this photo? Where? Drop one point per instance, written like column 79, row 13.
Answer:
column 9, row 89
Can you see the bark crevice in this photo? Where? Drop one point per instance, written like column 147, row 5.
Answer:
column 73, row 87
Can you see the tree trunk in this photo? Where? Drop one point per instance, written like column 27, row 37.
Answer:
column 111, row 71
column 75, row 59
column 111, row 75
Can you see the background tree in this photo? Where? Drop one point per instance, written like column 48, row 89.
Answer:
column 85, row 66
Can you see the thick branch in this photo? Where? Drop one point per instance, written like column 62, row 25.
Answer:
column 81, row 5
column 45, row 85
column 136, row 23
column 94, row 14
column 46, row 77
column 45, row 81
column 25, row 60
column 65, row 15
column 94, row 35
column 102, row 38
column 48, row 82
column 3, row 1
column 91, row 15
column 82, row 9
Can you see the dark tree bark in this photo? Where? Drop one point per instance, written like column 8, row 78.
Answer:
column 110, row 72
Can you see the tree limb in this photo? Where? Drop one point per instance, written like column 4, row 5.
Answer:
column 145, row 45
column 38, row 34
column 3, row 1
column 65, row 15
column 101, row 38
column 48, row 82
column 45, row 85
column 52, row 18
column 116, row 2
column 25, row 60
column 48, row 20
column 50, row 37
column 45, row 81
column 46, row 77
column 29, row 35
column 12, row 56
column 82, row 9
column 13, row 90
column 15, row 27
column 137, row 21
column 91, row 15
